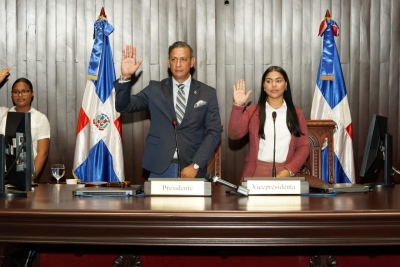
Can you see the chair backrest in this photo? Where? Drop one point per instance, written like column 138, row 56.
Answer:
column 318, row 131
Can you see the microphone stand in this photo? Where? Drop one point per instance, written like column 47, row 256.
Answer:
column 175, row 122
column 215, row 179
column 273, row 162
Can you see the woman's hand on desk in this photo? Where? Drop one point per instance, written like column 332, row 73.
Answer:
column 240, row 96
column 283, row 173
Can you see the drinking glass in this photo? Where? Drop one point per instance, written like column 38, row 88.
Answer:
column 58, row 171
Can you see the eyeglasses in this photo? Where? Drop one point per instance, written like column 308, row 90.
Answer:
column 22, row 92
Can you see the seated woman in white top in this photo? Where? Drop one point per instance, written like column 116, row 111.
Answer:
column 22, row 96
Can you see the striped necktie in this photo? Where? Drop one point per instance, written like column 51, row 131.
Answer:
column 180, row 103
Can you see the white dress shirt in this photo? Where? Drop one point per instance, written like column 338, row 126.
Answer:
column 283, row 136
column 175, row 92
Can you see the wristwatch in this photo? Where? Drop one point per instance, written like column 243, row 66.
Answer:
column 291, row 174
column 195, row 166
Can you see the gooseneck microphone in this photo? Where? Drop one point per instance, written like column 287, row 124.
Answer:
column 175, row 122
column 273, row 159
column 215, row 179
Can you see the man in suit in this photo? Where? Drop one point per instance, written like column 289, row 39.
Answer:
column 197, row 120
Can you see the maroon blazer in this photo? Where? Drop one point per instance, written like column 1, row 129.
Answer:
column 247, row 122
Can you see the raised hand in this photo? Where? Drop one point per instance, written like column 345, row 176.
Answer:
column 128, row 63
column 4, row 72
column 240, row 96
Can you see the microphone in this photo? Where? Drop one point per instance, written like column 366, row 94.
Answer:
column 273, row 161
column 175, row 122
column 240, row 189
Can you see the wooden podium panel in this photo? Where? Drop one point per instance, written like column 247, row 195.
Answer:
column 51, row 215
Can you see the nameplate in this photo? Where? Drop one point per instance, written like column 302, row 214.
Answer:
column 277, row 186
column 270, row 203
column 176, row 203
column 177, row 187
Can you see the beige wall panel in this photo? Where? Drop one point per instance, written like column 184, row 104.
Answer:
column 229, row 33
column 56, row 142
column 163, row 39
column 295, row 49
column 374, row 60
column 385, row 30
column 307, row 78
column 61, row 34
column 71, row 113
column 122, row 34
column 259, row 46
column 201, row 40
column 277, row 41
column 191, row 24
column 239, row 21
column 154, row 31
column 267, row 36
column 182, row 18
column 248, row 28
column 81, row 37
column 394, row 82
column 21, row 30
column 3, row 23
column 31, row 45
column 345, row 32
column 171, row 21
column 210, row 33
column 287, row 37
column 41, row 89
column 146, row 39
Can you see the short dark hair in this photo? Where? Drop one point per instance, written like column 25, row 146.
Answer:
column 180, row 44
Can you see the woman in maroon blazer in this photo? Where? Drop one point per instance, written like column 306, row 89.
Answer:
column 275, row 106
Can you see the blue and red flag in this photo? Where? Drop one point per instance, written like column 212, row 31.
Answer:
column 98, row 148
column 330, row 102
column 325, row 161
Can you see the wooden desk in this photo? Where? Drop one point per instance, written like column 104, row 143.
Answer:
column 51, row 215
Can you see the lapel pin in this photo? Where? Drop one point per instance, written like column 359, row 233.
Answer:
column 195, row 92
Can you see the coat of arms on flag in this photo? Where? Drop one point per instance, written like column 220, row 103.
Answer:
column 330, row 102
column 98, row 148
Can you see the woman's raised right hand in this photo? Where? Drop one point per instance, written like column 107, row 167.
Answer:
column 240, row 96
column 4, row 72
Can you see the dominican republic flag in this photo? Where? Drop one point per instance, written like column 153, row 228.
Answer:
column 330, row 102
column 98, row 149
column 325, row 161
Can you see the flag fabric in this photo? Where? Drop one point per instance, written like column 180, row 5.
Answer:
column 98, row 148
column 325, row 161
column 330, row 102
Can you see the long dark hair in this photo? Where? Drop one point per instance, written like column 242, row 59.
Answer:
column 292, row 121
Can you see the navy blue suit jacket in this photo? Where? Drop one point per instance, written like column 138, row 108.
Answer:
column 198, row 134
